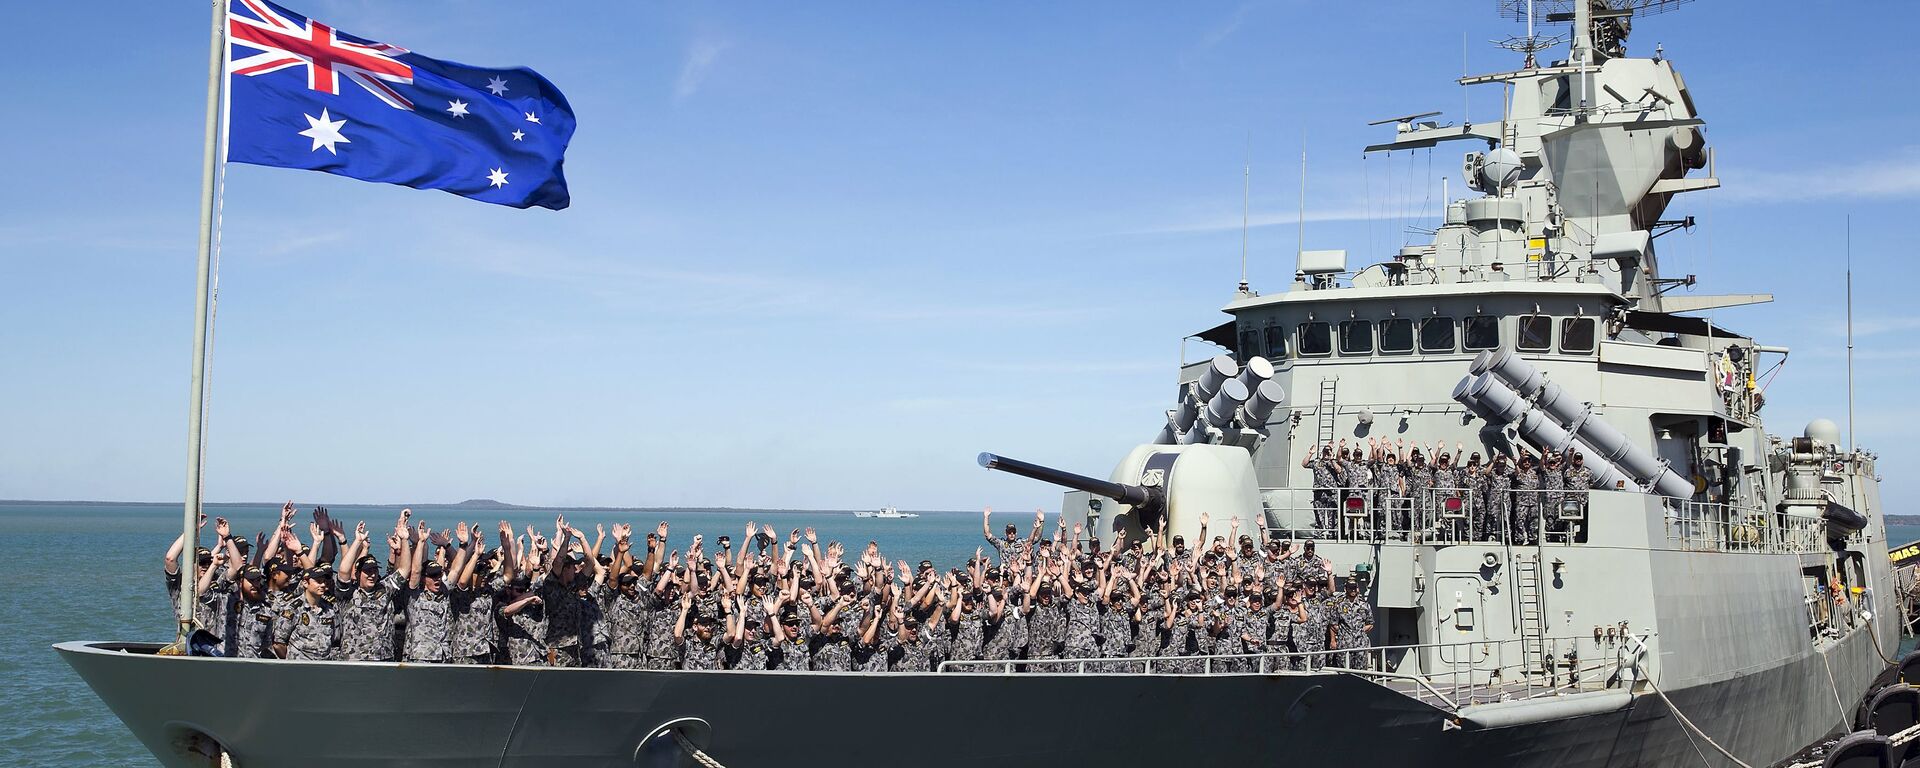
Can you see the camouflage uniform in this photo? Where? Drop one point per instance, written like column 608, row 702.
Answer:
column 1526, row 505
column 659, row 649
column 969, row 636
column 1420, row 488
column 1046, row 630
column 1010, row 551
column 310, row 630
column 792, row 655
column 526, row 635
column 1116, row 629
column 751, row 655
column 1083, row 623
column 1356, row 479
column 1386, row 494
column 1447, row 483
column 872, row 657
column 1324, row 492
column 593, row 626
column 1310, row 635
column 832, row 652
column 562, row 604
column 1149, row 639
column 626, row 622
column 1554, row 482
column 476, row 636
column 1351, row 617
column 1476, row 480
column 910, row 656
column 250, row 630
column 209, row 606
column 429, row 626
column 366, row 620
column 700, row 654
column 1499, row 511
column 1579, row 482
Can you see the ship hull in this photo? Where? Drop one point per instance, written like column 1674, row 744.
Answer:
column 364, row 714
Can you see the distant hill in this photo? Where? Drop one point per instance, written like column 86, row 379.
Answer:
column 1903, row 519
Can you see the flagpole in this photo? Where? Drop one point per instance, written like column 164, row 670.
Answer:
column 209, row 172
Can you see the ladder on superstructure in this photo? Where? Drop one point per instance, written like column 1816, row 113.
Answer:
column 1533, row 614
column 1325, row 411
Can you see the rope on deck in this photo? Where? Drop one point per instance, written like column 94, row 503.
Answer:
column 694, row 752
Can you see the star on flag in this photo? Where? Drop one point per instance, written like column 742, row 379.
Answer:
column 497, row 85
column 457, row 108
column 325, row 132
column 497, row 178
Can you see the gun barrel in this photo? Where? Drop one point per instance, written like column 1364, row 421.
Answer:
column 1121, row 492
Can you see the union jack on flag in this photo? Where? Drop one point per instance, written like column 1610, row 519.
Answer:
column 302, row 94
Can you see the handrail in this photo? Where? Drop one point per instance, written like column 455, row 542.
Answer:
column 1478, row 667
column 1441, row 515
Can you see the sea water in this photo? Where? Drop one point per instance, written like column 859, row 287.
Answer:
column 92, row 572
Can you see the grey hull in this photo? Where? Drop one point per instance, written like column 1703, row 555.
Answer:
column 290, row 713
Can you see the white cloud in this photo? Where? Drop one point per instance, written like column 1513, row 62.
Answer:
column 699, row 62
column 1896, row 176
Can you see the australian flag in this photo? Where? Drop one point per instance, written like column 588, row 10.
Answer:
column 301, row 94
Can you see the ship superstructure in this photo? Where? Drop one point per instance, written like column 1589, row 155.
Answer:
column 1714, row 570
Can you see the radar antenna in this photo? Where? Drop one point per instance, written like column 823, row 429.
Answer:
column 1601, row 24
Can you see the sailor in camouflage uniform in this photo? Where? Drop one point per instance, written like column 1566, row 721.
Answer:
column 1389, row 488
column 1553, row 480
column 1325, row 482
column 309, row 630
column 1353, row 627
column 1526, row 501
column 700, row 645
column 249, row 633
column 1083, row 624
column 1046, row 626
column 476, row 632
column 660, row 651
column 909, row 650
column 1499, row 522
column 1355, row 480
column 367, row 608
column 523, row 622
column 1579, row 481
column 429, row 615
column 559, row 594
column 1420, row 493
column 626, row 621
column 1115, row 629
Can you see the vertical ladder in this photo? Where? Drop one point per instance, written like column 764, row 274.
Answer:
column 1533, row 614
column 1326, row 409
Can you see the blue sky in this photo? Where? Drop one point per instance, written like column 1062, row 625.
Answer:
column 821, row 254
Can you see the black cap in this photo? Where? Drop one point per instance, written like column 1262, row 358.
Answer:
column 284, row 566
column 243, row 545
column 253, row 573
column 322, row 572
column 629, row 578
column 433, row 571
column 367, row 564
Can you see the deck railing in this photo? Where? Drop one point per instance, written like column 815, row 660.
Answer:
column 1431, row 515
column 1447, row 675
column 1708, row 527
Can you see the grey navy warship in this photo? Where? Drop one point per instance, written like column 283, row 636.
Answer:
column 1716, row 582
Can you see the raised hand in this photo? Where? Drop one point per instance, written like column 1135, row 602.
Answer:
column 339, row 529
column 811, row 538
column 460, row 533
column 203, row 520
column 768, row 530
column 793, row 538
column 360, row 531
column 393, row 541
column 1205, row 518
column 220, row 527
column 1077, row 528
column 660, row 531
column 600, row 530
column 421, row 533
column 313, row 532
column 440, row 538
column 506, row 531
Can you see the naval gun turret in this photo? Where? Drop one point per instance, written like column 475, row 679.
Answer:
column 1162, row 487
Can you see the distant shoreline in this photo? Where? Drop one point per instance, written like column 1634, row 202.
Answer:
column 469, row 504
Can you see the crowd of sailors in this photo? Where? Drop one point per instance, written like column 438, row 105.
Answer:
column 1387, row 489
column 1032, row 603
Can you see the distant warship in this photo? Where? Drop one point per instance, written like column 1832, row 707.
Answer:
column 1713, row 571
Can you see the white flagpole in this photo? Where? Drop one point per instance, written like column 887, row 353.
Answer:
column 209, row 173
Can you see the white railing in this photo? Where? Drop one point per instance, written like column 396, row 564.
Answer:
column 1449, row 675
column 1430, row 516
column 1708, row 527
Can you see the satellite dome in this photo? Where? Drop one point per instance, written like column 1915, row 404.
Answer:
column 1823, row 430
column 1501, row 168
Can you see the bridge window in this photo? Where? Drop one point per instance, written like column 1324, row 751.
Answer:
column 1249, row 344
column 1356, row 337
column 1436, row 334
column 1396, row 335
column 1576, row 335
column 1315, row 339
column 1481, row 332
column 1276, row 342
column 1536, row 333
